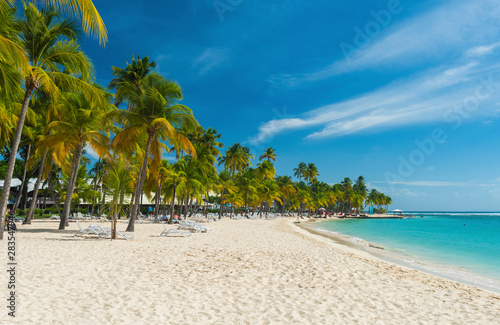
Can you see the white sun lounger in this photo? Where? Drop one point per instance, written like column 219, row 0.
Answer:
column 90, row 230
column 106, row 233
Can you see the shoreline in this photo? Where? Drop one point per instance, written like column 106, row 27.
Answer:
column 367, row 248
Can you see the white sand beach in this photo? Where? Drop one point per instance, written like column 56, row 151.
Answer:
column 246, row 272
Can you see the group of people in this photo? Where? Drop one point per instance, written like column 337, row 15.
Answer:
column 175, row 219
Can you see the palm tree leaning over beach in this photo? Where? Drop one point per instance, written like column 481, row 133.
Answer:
column 81, row 124
column 49, row 43
column 154, row 115
column 92, row 22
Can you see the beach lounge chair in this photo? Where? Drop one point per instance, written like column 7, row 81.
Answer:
column 194, row 227
column 166, row 232
column 90, row 230
column 106, row 233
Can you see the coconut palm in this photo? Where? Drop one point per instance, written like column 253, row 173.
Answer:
column 265, row 170
column 119, row 181
column 50, row 44
column 247, row 185
column 154, row 116
column 287, row 189
column 311, row 173
column 81, row 124
column 236, row 159
column 133, row 74
column 269, row 154
column 225, row 185
column 268, row 191
column 92, row 22
column 299, row 171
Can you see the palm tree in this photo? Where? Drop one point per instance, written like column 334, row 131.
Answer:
column 247, row 185
column 269, row 191
column 154, row 115
column 91, row 20
column 287, row 189
column 265, row 170
column 133, row 74
column 81, row 124
column 49, row 43
column 225, row 185
column 299, row 171
column 310, row 173
column 269, row 154
column 236, row 159
column 119, row 182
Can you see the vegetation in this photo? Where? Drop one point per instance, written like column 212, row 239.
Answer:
column 52, row 112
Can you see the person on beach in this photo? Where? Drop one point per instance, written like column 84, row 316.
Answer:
column 176, row 218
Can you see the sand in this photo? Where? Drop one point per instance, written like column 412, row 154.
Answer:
column 246, row 272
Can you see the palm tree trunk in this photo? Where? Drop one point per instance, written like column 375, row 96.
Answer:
column 23, row 181
column 172, row 207
column 51, row 191
column 140, row 183
column 31, row 211
column 71, row 186
column 157, row 200
column 4, row 198
column 189, row 207
column 95, row 187
column 220, row 205
column 206, row 205
column 44, row 198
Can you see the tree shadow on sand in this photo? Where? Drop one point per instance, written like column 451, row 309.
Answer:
column 47, row 230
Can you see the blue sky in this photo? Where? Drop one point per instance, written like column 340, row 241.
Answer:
column 405, row 93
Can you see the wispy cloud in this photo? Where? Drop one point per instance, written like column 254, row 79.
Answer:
column 91, row 152
column 418, row 98
column 208, row 60
column 482, row 50
column 420, row 38
column 412, row 100
column 439, row 184
column 396, row 191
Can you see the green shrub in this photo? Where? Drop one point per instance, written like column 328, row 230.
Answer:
column 45, row 216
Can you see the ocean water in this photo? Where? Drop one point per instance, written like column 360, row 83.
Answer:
column 462, row 246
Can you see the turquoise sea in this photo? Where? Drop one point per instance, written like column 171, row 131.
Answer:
column 462, row 246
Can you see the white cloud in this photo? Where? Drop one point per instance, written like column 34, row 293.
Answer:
column 431, row 35
column 416, row 99
column 210, row 59
column 91, row 152
column 439, row 184
column 393, row 191
column 482, row 50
